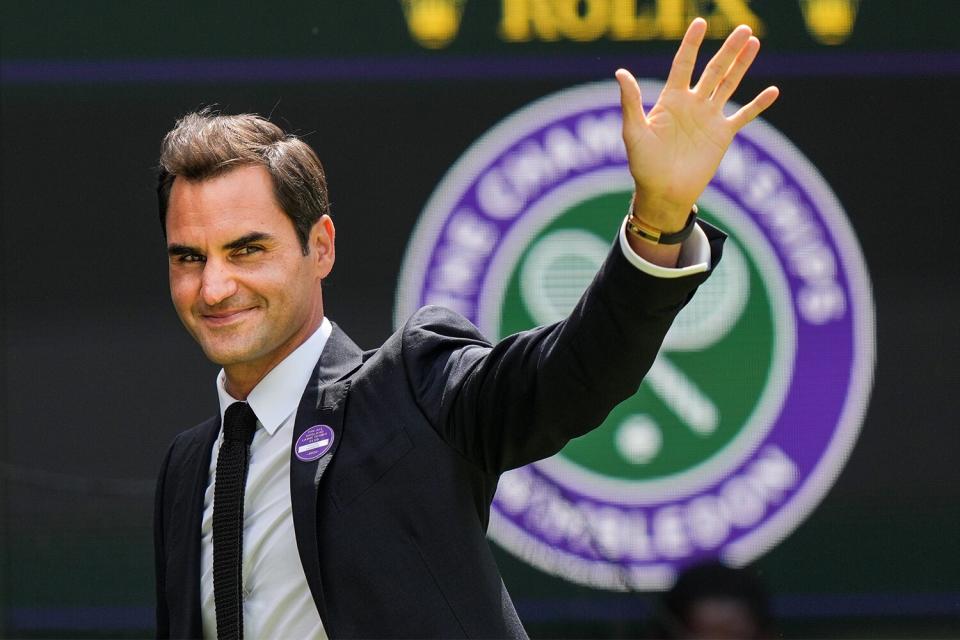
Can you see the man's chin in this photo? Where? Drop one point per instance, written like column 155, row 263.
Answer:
column 228, row 355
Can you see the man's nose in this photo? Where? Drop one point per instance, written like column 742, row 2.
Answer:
column 218, row 282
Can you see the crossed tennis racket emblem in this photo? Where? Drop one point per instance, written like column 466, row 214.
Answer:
column 554, row 275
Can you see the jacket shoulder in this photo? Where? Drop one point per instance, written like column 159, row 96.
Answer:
column 188, row 441
column 441, row 322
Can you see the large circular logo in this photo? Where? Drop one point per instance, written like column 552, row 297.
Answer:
column 757, row 396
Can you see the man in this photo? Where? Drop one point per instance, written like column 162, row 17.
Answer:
column 346, row 494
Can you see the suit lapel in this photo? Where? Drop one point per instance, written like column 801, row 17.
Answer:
column 189, row 503
column 323, row 404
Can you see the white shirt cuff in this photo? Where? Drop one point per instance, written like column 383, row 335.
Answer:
column 694, row 255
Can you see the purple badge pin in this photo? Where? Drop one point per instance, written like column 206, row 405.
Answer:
column 314, row 442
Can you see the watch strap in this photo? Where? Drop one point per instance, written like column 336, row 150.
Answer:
column 650, row 233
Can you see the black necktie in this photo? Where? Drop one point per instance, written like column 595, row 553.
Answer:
column 239, row 424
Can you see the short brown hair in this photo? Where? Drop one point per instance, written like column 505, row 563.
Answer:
column 205, row 144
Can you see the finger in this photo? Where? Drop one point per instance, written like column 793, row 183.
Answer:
column 682, row 69
column 720, row 63
column 732, row 80
column 630, row 99
column 754, row 108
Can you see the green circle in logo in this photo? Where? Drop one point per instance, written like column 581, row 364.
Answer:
column 684, row 413
column 742, row 425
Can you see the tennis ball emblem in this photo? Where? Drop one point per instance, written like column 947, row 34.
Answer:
column 756, row 399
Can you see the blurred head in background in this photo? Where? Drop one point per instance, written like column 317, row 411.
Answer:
column 715, row 602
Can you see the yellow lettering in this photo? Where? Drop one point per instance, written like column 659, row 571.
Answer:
column 728, row 15
column 672, row 18
column 522, row 20
column 629, row 23
column 586, row 26
column 589, row 20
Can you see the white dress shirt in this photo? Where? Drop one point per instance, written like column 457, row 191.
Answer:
column 276, row 598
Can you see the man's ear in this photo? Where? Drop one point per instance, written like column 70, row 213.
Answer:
column 322, row 245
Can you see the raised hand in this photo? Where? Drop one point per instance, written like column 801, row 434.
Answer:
column 675, row 149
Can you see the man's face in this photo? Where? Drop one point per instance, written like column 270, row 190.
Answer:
column 238, row 277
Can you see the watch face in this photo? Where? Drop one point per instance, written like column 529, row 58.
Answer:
column 756, row 399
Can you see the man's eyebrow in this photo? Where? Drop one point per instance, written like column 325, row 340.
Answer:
column 242, row 241
column 175, row 249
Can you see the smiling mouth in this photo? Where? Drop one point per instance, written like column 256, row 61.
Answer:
column 224, row 318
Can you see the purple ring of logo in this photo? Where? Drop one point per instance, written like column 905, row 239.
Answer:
column 813, row 431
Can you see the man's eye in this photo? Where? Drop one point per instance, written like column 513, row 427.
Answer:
column 191, row 257
column 248, row 250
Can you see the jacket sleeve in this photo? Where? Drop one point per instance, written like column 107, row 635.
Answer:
column 507, row 405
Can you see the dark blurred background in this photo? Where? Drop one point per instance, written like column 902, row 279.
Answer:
column 97, row 375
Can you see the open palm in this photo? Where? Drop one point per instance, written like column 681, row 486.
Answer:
column 675, row 149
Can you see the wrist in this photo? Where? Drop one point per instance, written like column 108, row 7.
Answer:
column 660, row 213
column 642, row 230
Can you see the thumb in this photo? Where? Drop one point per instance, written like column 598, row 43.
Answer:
column 630, row 100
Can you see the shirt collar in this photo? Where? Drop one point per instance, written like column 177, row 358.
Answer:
column 278, row 394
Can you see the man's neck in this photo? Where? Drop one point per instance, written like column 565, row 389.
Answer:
column 239, row 384
column 241, row 378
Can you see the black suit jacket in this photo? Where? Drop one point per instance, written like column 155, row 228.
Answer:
column 390, row 524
